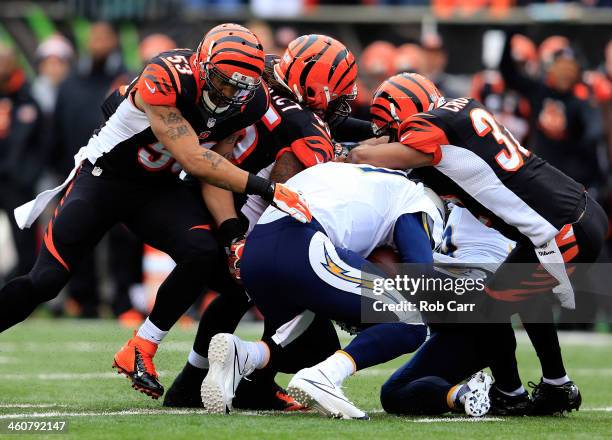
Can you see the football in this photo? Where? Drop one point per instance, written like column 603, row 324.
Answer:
column 386, row 258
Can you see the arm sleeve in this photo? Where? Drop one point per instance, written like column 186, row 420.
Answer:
column 513, row 77
column 353, row 129
column 422, row 134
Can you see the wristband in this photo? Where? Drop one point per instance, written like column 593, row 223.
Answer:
column 260, row 186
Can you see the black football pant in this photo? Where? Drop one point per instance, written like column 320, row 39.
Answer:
column 168, row 215
column 533, row 294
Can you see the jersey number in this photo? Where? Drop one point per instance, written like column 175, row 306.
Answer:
column 180, row 64
column 156, row 158
column 510, row 158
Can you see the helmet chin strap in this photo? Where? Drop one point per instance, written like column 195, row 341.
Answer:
column 211, row 106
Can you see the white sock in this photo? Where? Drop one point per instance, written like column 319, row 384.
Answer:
column 197, row 360
column 520, row 390
column 151, row 332
column 559, row 381
column 258, row 352
column 337, row 367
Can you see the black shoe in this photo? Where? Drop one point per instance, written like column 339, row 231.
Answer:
column 505, row 405
column 185, row 390
column 264, row 396
column 550, row 399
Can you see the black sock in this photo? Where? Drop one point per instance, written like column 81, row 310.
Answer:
column 193, row 374
column 544, row 338
column 502, row 344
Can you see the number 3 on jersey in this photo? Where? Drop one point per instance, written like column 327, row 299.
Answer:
column 511, row 157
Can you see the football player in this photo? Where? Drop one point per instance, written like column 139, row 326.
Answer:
column 292, row 135
column 128, row 173
column 460, row 150
column 298, row 274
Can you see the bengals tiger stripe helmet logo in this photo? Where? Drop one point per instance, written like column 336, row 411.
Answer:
column 400, row 97
column 321, row 72
column 232, row 55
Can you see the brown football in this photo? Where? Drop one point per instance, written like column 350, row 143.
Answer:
column 386, row 258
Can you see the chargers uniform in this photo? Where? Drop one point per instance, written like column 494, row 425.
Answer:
column 468, row 241
column 288, row 268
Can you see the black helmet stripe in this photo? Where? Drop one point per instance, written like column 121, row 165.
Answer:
column 310, row 64
column 339, row 57
column 413, row 97
column 309, row 42
column 239, row 40
column 346, row 72
column 231, row 49
column 410, row 77
column 241, row 64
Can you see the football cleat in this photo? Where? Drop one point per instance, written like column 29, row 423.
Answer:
column 504, row 405
column 313, row 389
column 550, row 399
column 229, row 362
column 185, row 390
column 473, row 396
column 259, row 395
column 135, row 360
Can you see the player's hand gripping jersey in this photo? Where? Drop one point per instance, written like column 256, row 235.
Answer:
column 126, row 144
column 357, row 205
column 479, row 163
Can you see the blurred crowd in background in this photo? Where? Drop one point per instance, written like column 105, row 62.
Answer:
column 554, row 100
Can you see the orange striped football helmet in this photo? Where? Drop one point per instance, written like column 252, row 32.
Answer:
column 400, row 97
column 321, row 73
column 229, row 58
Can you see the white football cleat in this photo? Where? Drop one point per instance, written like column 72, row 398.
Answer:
column 229, row 362
column 313, row 389
column 476, row 400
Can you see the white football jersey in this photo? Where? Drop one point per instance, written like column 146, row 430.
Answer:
column 467, row 240
column 358, row 205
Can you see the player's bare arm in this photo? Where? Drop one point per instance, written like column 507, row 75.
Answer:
column 393, row 155
column 286, row 166
column 181, row 141
column 219, row 201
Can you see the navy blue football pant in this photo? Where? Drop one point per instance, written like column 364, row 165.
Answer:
column 293, row 272
column 452, row 354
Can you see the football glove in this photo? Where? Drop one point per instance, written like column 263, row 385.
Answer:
column 291, row 202
column 234, row 255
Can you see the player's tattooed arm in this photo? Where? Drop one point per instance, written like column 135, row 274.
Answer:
column 179, row 138
column 395, row 156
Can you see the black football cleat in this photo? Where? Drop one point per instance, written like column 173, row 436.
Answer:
column 505, row 405
column 264, row 396
column 550, row 399
column 185, row 390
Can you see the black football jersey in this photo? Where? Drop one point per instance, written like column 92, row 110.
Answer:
column 285, row 126
column 126, row 145
column 478, row 163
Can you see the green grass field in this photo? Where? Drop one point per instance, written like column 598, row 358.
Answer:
column 61, row 370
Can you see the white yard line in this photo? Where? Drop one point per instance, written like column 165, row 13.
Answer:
column 31, row 405
column 131, row 412
column 457, row 419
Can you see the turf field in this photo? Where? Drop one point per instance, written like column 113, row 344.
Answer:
column 60, row 370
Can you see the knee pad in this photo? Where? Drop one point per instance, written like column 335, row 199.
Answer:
column 196, row 245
